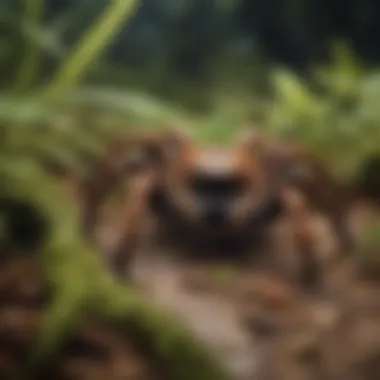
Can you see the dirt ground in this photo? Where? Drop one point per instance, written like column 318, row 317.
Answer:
column 261, row 327
column 264, row 328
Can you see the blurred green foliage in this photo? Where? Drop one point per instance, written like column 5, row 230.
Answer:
column 53, row 126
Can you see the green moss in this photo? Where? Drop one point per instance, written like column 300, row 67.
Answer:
column 83, row 288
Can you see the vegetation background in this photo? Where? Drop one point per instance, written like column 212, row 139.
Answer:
column 76, row 73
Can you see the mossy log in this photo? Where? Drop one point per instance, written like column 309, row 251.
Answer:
column 81, row 295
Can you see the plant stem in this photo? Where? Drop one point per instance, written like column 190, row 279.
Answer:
column 91, row 45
